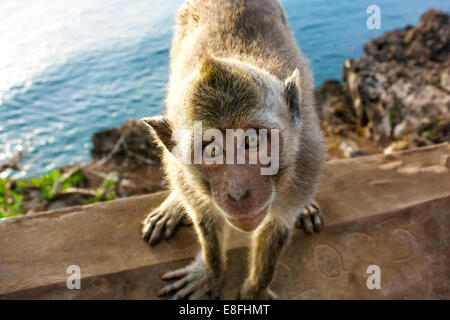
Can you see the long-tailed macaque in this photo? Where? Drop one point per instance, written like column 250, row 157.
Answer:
column 236, row 71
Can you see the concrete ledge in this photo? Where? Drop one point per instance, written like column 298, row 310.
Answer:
column 392, row 211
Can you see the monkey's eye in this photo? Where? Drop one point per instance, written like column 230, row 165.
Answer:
column 253, row 141
column 212, row 150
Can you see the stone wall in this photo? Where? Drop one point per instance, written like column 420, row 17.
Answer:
column 389, row 210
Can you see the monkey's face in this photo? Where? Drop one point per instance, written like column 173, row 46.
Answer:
column 226, row 95
column 240, row 191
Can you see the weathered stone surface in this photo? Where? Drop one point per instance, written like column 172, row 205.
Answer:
column 399, row 91
column 392, row 211
column 400, row 87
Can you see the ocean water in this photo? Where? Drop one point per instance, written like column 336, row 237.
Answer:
column 71, row 67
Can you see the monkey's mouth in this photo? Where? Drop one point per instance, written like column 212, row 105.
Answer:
column 249, row 222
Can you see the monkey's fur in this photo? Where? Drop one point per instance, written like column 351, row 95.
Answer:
column 235, row 63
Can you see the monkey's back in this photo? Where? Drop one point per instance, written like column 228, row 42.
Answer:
column 252, row 31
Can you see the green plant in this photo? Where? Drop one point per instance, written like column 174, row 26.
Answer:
column 105, row 193
column 428, row 134
column 11, row 192
column 52, row 181
column 10, row 200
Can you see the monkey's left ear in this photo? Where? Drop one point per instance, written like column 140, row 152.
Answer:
column 161, row 131
column 292, row 94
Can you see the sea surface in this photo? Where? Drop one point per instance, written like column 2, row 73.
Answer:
column 69, row 68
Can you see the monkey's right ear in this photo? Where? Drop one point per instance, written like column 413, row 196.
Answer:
column 161, row 131
column 293, row 95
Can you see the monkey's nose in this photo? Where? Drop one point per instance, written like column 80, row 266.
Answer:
column 239, row 193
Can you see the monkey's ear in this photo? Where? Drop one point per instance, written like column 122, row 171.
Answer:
column 292, row 94
column 161, row 131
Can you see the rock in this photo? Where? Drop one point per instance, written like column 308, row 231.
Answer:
column 348, row 148
column 396, row 146
column 357, row 153
column 33, row 202
column 399, row 90
column 130, row 145
column 131, row 154
column 400, row 87
column 335, row 108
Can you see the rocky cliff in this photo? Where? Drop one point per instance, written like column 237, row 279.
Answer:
column 397, row 95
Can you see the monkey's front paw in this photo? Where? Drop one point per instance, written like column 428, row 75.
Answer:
column 161, row 222
column 249, row 292
column 194, row 281
column 310, row 219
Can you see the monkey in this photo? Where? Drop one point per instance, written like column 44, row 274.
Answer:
column 235, row 65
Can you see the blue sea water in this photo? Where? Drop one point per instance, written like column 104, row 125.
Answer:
column 70, row 68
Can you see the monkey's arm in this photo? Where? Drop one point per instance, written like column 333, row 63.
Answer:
column 163, row 220
column 204, row 275
column 265, row 251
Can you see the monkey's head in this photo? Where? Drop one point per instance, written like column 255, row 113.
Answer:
column 235, row 134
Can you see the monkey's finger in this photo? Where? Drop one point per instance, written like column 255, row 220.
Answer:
column 170, row 226
column 169, row 232
column 309, row 210
column 157, row 217
column 175, row 274
column 185, row 292
column 152, row 217
column 157, row 231
column 174, row 286
column 317, row 222
column 149, row 224
column 147, row 232
column 156, row 214
column 307, row 225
